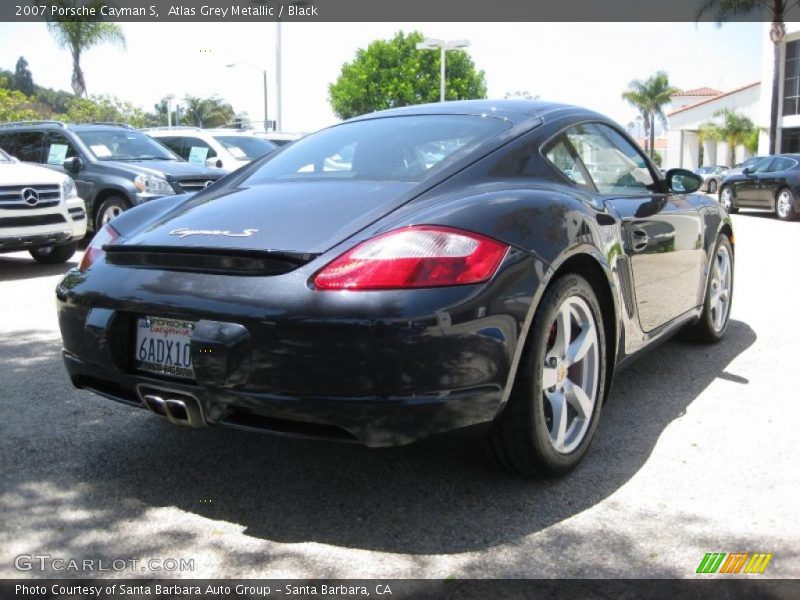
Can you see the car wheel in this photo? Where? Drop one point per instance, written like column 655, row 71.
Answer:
column 712, row 186
column 713, row 322
column 727, row 200
column 110, row 209
column 784, row 205
column 552, row 413
column 54, row 255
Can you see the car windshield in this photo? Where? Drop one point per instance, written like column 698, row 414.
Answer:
column 705, row 170
column 124, row 145
column 406, row 148
column 245, row 147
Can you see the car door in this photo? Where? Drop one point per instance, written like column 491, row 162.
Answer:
column 773, row 180
column 662, row 230
column 749, row 188
column 57, row 149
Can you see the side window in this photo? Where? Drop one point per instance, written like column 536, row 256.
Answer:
column 781, row 164
column 29, row 146
column 7, row 143
column 762, row 166
column 197, row 151
column 562, row 158
column 57, row 149
column 175, row 144
column 615, row 166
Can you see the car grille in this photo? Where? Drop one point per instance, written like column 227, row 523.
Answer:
column 194, row 184
column 31, row 221
column 11, row 196
column 204, row 260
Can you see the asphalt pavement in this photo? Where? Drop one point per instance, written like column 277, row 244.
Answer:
column 697, row 452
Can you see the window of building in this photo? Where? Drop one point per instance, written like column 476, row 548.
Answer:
column 791, row 79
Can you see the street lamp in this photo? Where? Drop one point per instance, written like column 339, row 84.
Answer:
column 264, row 72
column 169, row 98
column 443, row 46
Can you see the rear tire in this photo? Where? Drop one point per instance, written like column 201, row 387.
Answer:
column 728, row 200
column 111, row 208
column 548, row 423
column 714, row 320
column 784, row 205
column 54, row 255
column 712, row 186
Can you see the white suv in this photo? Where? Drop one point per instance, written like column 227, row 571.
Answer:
column 226, row 149
column 40, row 212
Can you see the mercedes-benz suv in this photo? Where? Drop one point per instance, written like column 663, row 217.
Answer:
column 40, row 212
column 114, row 166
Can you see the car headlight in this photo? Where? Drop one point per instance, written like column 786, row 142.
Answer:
column 150, row 184
column 68, row 189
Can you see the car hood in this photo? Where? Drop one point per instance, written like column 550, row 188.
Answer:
column 23, row 174
column 169, row 169
column 292, row 217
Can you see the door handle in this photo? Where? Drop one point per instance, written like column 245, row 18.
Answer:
column 640, row 240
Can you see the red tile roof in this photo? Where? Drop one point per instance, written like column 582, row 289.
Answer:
column 703, row 91
column 714, row 99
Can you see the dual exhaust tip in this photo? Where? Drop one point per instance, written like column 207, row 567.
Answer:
column 179, row 408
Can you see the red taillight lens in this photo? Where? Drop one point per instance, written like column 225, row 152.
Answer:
column 420, row 256
column 95, row 249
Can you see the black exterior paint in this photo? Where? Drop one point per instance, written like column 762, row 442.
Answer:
column 387, row 367
column 760, row 189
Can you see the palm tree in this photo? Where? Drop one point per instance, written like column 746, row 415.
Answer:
column 78, row 36
column 208, row 112
column 735, row 129
column 777, row 10
column 650, row 96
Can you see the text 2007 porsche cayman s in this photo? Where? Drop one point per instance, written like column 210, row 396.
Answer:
column 402, row 274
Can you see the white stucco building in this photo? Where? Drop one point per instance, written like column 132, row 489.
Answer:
column 692, row 108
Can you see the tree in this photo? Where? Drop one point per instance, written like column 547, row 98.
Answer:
column 724, row 10
column 78, row 36
column 14, row 105
column 104, row 109
column 392, row 73
column 734, row 129
column 23, row 79
column 207, row 112
column 650, row 96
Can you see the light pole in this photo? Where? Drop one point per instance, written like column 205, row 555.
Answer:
column 443, row 46
column 169, row 98
column 264, row 72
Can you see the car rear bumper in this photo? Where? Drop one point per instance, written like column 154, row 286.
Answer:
column 373, row 421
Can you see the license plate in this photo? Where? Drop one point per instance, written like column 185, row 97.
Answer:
column 163, row 346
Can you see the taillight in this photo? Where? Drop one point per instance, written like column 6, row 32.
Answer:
column 414, row 257
column 95, row 249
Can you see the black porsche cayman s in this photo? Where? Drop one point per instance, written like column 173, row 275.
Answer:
column 406, row 273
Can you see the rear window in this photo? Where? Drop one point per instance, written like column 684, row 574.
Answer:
column 405, row 148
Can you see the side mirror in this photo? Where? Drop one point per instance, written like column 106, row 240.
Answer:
column 214, row 162
column 683, row 181
column 747, row 170
column 73, row 165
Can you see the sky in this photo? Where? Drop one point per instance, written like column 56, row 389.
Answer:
column 588, row 64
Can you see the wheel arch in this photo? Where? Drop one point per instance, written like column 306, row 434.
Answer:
column 591, row 265
column 104, row 195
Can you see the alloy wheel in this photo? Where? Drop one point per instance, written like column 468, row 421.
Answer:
column 721, row 279
column 570, row 374
column 726, row 198
column 712, row 186
column 110, row 213
column 784, row 204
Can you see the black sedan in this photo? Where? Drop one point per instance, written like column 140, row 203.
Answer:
column 402, row 274
column 771, row 183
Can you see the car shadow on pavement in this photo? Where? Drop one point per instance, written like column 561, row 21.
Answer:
column 13, row 268
column 79, row 469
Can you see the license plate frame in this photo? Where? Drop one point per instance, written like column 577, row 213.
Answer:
column 163, row 346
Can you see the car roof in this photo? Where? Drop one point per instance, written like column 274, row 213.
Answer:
column 515, row 111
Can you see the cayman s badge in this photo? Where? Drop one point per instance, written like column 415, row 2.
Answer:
column 184, row 232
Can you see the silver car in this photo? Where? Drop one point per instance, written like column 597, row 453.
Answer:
column 712, row 176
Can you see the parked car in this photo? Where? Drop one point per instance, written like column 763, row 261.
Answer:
column 40, row 212
column 771, row 183
column 114, row 167
column 226, row 149
column 280, row 138
column 499, row 285
column 712, row 177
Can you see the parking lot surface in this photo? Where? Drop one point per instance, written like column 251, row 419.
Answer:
column 697, row 451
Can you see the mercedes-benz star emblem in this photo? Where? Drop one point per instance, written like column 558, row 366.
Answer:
column 30, row 196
